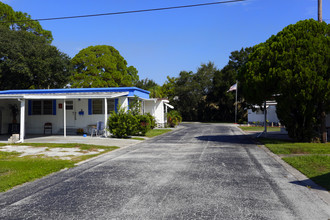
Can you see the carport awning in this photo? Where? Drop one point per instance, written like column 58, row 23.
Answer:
column 95, row 95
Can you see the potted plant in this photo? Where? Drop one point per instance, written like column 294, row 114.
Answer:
column 14, row 112
column 80, row 131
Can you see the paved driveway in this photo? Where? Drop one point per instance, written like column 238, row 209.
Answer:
column 202, row 171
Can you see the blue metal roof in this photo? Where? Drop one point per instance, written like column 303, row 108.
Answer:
column 131, row 90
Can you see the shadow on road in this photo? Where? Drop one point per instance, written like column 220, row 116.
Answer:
column 233, row 139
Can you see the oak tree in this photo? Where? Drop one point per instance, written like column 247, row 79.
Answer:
column 101, row 66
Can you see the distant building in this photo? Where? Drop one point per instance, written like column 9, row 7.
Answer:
column 257, row 114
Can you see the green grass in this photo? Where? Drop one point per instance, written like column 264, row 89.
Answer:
column 138, row 138
column 314, row 163
column 156, row 132
column 315, row 167
column 287, row 147
column 15, row 170
column 261, row 129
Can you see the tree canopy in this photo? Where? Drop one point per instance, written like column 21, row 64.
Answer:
column 20, row 21
column 28, row 61
column 223, row 101
column 156, row 91
column 293, row 68
column 189, row 92
column 101, row 66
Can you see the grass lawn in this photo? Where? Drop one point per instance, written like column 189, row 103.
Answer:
column 15, row 170
column 311, row 159
column 261, row 129
column 315, row 167
column 156, row 132
column 286, row 147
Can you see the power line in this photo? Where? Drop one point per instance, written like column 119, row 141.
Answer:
column 129, row 12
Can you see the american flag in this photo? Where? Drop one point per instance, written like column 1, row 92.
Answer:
column 233, row 87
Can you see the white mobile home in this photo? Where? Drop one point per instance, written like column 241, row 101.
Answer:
column 158, row 109
column 64, row 111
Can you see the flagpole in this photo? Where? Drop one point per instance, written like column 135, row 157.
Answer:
column 236, row 103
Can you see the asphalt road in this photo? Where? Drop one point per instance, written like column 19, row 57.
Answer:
column 202, row 171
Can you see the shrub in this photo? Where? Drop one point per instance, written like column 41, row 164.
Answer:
column 152, row 120
column 122, row 124
column 173, row 118
column 144, row 124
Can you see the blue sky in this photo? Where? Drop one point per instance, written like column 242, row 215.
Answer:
column 163, row 43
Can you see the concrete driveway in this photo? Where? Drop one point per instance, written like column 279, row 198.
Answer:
column 202, row 171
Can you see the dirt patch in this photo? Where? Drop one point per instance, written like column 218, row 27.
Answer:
column 61, row 153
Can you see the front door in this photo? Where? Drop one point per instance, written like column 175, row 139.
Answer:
column 71, row 114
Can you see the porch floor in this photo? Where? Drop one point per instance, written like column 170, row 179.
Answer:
column 74, row 139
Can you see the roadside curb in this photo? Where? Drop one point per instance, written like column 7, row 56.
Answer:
column 308, row 183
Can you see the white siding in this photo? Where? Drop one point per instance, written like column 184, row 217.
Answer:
column 259, row 116
column 156, row 108
column 35, row 123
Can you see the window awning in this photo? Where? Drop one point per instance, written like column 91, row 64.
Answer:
column 170, row 106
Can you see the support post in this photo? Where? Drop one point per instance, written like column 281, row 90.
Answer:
column 236, row 102
column 105, row 116
column 64, row 117
column 22, row 121
column 265, row 121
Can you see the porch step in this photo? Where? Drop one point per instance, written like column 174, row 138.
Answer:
column 69, row 131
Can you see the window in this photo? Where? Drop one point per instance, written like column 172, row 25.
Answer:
column 42, row 107
column 111, row 105
column 48, row 107
column 97, row 106
column 36, row 107
column 69, row 105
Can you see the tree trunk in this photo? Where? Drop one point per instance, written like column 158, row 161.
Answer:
column 323, row 127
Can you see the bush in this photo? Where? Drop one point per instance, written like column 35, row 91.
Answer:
column 122, row 124
column 173, row 118
column 144, row 124
column 152, row 120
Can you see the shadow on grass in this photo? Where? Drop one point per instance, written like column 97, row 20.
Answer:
column 316, row 182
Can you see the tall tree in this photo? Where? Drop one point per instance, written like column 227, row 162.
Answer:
column 133, row 73
column 152, row 86
column 223, row 101
column 28, row 61
column 20, row 21
column 189, row 92
column 101, row 66
column 293, row 66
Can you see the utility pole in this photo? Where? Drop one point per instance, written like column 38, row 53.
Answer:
column 319, row 11
column 323, row 114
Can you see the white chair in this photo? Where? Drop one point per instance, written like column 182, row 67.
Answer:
column 99, row 130
column 100, row 127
